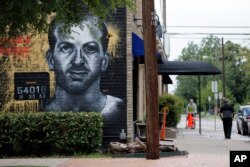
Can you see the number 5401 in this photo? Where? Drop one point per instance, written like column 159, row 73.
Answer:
column 31, row 89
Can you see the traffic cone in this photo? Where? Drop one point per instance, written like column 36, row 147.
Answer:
column 163, row 126
column 190, row 120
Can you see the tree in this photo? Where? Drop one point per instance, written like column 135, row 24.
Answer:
column 190, row 53
column 237, row 76
column 246, row 68
column 184, row 89
column 187, row 87
column 206, row 91
column 19, row 17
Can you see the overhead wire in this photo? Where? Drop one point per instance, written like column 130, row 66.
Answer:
column 180, row 37
column 206, row 33
column 231, row 27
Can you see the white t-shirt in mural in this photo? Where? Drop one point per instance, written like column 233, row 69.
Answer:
column 112, row 104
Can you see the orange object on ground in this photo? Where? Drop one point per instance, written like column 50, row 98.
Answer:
column 190, row 120
column 163, row 126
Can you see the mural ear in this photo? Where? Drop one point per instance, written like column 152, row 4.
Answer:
column 50, row 60
column 105, row 62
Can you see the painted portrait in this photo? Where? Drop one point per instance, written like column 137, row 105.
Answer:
column 78, row 59
column 81, row 70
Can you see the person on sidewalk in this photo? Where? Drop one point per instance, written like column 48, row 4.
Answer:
column 191, row 107
column 191, row 110
column 227, row 114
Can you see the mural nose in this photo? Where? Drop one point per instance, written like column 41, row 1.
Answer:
column 78, row 58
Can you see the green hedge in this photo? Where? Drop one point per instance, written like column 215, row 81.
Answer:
column 175, row 105
column 49, row 133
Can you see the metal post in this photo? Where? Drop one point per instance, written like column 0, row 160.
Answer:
column 215, row 109
column 151, row 80
column 209, row 100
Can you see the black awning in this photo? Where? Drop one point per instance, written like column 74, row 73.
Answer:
column 187, row 68
column 166, row 79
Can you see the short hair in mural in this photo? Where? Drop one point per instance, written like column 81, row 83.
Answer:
column 78, row 59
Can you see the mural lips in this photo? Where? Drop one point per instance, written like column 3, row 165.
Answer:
column 78, row 73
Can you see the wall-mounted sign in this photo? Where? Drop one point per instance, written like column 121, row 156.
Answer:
column 31, row 86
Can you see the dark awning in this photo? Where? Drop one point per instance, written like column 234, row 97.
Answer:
column 187, row 68
column 166, row 79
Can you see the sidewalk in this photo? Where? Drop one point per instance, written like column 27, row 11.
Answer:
column 205, row 150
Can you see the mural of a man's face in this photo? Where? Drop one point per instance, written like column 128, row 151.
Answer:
column 78, row 57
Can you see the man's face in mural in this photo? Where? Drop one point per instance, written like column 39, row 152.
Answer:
column 78, row 57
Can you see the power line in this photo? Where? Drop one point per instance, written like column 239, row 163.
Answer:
column 204, row 33
column 241, row 27
column 180, row 37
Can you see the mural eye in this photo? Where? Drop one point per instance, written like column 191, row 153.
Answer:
column 90, row 48
column 66, row 48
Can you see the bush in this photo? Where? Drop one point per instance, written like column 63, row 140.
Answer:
column 48, row 133
column 175, row 105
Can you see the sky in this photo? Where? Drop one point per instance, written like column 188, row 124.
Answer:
column 229, row 16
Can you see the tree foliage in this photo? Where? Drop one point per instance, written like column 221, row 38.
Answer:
column 21, row 16
column 237, row 67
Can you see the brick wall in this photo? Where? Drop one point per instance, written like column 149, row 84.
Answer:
column 114, row 81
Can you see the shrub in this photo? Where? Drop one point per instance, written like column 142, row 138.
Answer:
column 175, row 105
column 47, row 133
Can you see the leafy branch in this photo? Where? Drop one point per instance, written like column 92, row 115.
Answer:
column 20, row 17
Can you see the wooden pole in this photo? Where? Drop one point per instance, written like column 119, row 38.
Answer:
column 199, row 108
column 223, row 68
column 151, row 80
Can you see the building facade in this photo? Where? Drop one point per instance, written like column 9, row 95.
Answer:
column 54, row 73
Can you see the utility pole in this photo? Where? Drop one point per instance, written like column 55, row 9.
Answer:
column 164, row 13
column 151, row 80
column 199, row 106
column 223, row 68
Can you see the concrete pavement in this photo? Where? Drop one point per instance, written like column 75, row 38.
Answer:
column 15, row 162
column 206, row 149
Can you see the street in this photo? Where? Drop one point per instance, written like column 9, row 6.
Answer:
column 211, row 128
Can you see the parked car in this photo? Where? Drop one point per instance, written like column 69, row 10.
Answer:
column 243, row 120
column 249, row 128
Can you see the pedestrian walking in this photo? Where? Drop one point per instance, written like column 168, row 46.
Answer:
column 227, row 114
